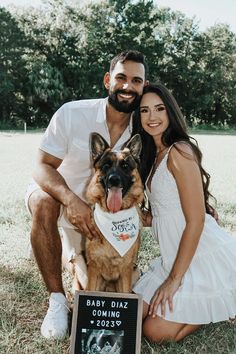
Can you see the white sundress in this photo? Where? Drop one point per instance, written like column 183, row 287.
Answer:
column 208, row 289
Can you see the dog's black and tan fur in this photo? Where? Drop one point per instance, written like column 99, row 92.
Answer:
column 113, row 170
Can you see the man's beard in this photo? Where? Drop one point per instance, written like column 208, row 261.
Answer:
column 123, row 106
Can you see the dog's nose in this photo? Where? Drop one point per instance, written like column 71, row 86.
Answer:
column 114, row 180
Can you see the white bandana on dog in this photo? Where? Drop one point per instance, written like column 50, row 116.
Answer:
column 121, row 229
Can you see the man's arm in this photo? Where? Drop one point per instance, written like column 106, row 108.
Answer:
column 52, row 182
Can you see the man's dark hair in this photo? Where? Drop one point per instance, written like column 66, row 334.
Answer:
column 132, row 55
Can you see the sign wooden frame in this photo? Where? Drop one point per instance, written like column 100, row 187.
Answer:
column 103, row 320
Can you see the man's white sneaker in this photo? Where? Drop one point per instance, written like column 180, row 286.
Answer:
column 55, row 323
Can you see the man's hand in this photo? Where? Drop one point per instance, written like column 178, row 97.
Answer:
column 79, row 214
column 163, row 296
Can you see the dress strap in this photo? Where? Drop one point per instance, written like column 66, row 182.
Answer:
column 167, row 153
column 170, row 147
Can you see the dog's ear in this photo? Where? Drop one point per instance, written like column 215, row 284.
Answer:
column 97, row 145
column 134, row 145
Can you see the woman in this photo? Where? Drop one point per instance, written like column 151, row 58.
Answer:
column 194, row 280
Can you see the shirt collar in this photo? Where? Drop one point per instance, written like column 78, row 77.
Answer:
column 101, row 115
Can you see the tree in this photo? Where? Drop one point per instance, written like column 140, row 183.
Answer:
column 61, row 54
column 52, row 59
column 13, row 73
column 215, row 96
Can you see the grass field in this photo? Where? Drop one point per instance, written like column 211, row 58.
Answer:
column 23, row 299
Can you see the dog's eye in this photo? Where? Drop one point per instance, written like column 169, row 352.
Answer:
column 106, row 167
column 125, row 166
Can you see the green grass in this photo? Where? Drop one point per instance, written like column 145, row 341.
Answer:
column 211, row 129
column 212, row 132
column 23, row 298
column 23, row 303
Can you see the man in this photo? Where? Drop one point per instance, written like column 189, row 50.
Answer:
column 63, row 168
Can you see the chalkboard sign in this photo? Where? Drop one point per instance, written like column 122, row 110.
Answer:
column 106, row 323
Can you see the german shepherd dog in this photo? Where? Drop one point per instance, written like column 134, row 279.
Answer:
column 115, row 187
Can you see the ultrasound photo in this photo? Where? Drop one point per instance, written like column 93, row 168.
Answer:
column 102, row 341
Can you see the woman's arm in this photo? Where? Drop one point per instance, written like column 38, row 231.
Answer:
column 184, row 167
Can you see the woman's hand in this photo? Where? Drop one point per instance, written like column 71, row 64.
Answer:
column 164, row 294
column 146, row 218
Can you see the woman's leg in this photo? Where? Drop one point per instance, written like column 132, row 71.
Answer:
column 186, row 330
column 159, row 330
column 145, row 310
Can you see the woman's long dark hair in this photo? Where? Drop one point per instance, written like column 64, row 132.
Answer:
column 176, row 131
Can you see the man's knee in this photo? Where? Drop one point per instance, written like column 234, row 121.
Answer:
column 43, row 206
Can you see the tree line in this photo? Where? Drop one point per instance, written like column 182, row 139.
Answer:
column 60, row 53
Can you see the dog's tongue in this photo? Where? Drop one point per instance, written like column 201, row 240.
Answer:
column 114, row 199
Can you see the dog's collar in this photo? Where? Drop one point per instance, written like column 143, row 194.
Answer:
column 120, row 229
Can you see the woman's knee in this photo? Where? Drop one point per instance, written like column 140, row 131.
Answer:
column 152, row 332
column 158, row 330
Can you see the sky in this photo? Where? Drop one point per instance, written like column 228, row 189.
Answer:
column 207, row 12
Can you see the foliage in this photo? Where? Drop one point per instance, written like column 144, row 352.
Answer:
column 61, row 52
column 13, row 73
column 218, row 87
